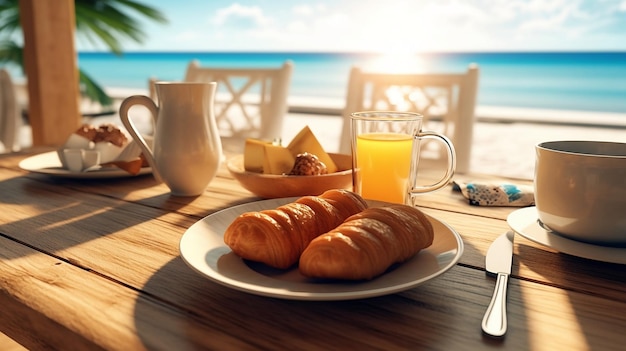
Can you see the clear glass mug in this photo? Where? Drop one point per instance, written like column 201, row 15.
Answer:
column 386, row 152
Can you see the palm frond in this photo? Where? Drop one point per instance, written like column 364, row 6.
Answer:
column 9, row 17
column 91, row 89
column 12, row 53
column 99, row 21
column 109, row 21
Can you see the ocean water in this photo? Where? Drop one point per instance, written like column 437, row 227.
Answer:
column 588, row 81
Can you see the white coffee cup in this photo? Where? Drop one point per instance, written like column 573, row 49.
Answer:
column 580, row 190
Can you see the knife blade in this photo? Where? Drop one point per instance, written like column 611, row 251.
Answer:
column 498, row 261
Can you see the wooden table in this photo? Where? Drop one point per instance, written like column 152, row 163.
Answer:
column 95, row 264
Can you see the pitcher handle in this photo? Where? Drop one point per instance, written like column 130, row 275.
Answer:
column 134, row 132
column 419, row 189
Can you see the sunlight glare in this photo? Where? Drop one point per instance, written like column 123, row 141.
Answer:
column 396, row 63
column 401, row 98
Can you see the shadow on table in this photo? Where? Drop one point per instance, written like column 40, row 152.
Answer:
column 207, row 310
column 74, row 212
column 586, row 282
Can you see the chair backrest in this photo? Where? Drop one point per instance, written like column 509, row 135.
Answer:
column 447, row 102
column 10, row 118
column 250, row 102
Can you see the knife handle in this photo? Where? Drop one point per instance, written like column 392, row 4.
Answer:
column 494, row 322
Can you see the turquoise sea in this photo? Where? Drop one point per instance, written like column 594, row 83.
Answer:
column 589, row 81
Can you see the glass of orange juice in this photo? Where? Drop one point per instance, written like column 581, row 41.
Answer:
column 385, row 155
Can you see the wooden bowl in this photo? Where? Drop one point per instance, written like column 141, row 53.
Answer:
column 271, row 186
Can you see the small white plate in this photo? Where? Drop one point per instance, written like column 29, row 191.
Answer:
column 202, row 248
column 525, row 222
column 48, row 163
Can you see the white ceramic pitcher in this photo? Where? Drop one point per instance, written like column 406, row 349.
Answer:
column 187, row 148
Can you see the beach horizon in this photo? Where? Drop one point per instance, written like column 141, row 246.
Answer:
column 483, row 113
column 518, row 85
column 586, row 81
column 503, row 142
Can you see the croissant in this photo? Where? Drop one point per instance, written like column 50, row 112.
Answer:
column 367, row 244
column 278, row 236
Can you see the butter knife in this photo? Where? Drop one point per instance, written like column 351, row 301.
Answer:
column 498, row 261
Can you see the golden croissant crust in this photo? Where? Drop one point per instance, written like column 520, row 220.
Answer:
column 367, row 244
column 278, row 236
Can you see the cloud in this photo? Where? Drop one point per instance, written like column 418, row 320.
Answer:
column 303, row 10
column 581, row 24
column 526, row 25
column 240, row 17
column 308, row 9
column 425, row 25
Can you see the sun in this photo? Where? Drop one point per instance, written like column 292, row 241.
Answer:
column 397, row 62
column 398, row 35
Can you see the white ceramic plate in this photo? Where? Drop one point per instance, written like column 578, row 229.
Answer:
column 48, row 163
column 525, row 222
column 202, row 248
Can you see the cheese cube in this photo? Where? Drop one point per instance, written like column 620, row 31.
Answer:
column 278, row 160
column 254, row 155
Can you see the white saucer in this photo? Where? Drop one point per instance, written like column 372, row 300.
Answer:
column 48, row 163
column 525, row 222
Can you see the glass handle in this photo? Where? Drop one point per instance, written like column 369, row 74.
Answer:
column 450, row 168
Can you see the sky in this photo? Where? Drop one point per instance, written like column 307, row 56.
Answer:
column 384, row 26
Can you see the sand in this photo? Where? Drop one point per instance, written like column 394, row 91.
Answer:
column 503, row 143
column 501, row 148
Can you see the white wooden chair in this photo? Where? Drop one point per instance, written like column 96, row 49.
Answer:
column 447, row 102
column 250, row 102
column 10, row 117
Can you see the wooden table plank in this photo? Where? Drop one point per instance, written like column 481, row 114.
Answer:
column 535, row 262
column 453, row 303
column 48, row 303
column 8, row 344
column 96, row 264
column 145, row 190
column 68, row 219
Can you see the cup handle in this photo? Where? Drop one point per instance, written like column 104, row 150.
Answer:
column 420, row 189
column 132, row 129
